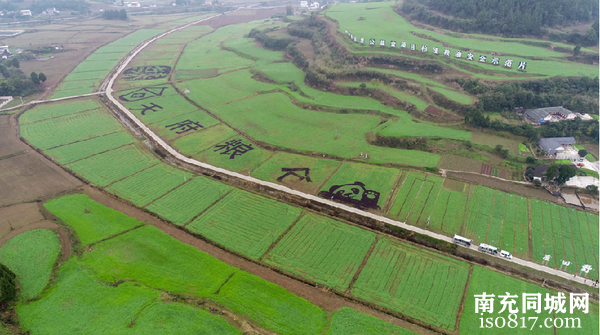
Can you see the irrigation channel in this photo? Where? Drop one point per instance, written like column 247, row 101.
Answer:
column 175, row 154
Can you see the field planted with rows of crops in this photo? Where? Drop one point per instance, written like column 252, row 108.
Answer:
column 245, row 222
column 73, row 152
column 94, row 69
column 100, row 169
column 417, row 283
column 148, row 185
column 56, row 110
column 321, row 249
column 69, row 128
column 188, row 200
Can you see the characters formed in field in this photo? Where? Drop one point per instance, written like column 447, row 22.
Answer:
column 147, row 72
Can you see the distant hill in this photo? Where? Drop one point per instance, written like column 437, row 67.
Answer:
column 508, row 17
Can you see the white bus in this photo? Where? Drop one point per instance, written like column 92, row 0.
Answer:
column 461, row 240
column 488, row 248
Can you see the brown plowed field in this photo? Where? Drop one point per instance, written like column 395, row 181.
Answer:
column 28, row 176
column 487, row 169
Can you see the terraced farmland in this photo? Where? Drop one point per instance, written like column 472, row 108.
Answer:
column 245, row 222
column 417, row 283
column 321, row 249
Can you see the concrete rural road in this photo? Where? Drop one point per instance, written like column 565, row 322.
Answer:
column 177, row 155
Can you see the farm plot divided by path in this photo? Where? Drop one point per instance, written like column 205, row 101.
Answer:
column 322, row 249
column 417, row 283
column 498, row 219
column 245, row 223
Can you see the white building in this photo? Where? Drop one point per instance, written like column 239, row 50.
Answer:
column 26, row 12
column 304, row 4
column 314, row 5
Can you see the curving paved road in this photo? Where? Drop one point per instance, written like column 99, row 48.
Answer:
column 177, row 155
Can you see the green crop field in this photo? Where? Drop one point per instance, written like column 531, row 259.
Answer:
column 69, row 128
column 414, row 282
column 401, row 95
column 100, row 169
column 448, row 214
column 79, row 150
column 453, row 95
column 374, row 178
column 491, row 282
column 188, row 200
column 408, row 190
column 422, row 208
column 319, row 171
column 321, row 249
column 147, row 185
column 478, row 218
column 97, row 66
column 54, row 110
column 270, row 305
column 31, row 256
column 91, row 221
column 175, row 318
column 245, row 222
column 158, row 260
column 407, row 128
column 84, row 303
column 346, row 321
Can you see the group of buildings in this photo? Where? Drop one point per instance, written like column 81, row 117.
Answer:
column 311, row 5
column 540, row 116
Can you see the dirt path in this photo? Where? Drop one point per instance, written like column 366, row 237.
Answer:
column 37, row 225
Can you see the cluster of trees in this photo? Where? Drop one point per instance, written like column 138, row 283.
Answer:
column 37, row 78
column 114, row 14
column 576, row 94
column 16, row 82
column 589, row 38
column 509, row 17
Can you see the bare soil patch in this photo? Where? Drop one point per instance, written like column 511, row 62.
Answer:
column 255, row 14
column 19, row 215
column 29, row 176
column 507, row 186
column 305, row 46
column 460, row 163
column 487, row 169
column 441, row 113
column 589, row 201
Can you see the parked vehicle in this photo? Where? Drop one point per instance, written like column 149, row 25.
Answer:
column 505, row 254
column 461, row 240
column 488, row 249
